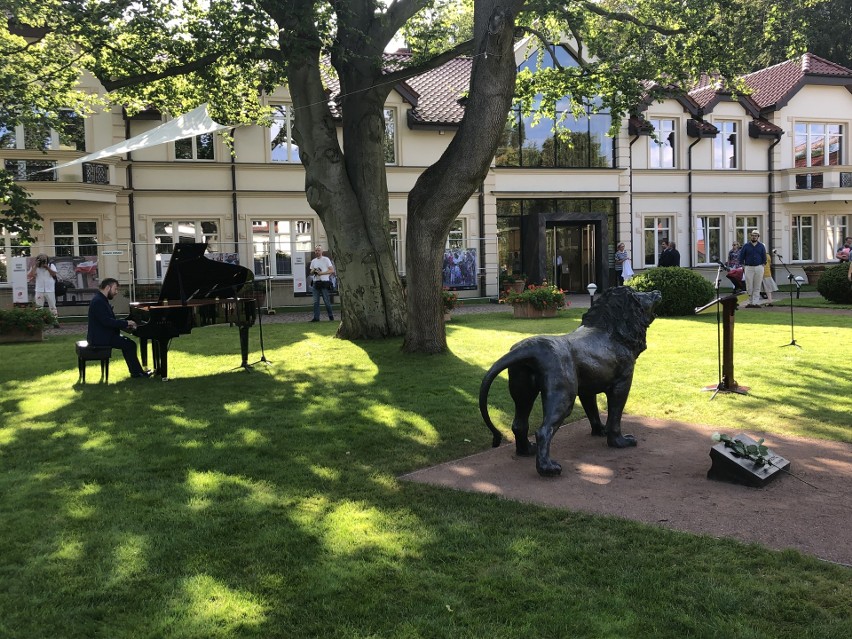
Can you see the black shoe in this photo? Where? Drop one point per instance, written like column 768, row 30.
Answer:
column 331, row 318
column 143, row 375
column 315, row 320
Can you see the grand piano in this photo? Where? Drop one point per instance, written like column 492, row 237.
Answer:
column 196, row 291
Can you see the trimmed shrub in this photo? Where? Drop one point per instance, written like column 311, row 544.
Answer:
column 683, row 290
column 834, row 285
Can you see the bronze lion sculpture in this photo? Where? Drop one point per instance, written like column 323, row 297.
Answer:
column 598, row 357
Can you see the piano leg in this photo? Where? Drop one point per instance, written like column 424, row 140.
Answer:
column 161, row 357
column 143, row 347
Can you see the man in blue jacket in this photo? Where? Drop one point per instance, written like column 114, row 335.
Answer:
column 105, row 329
column 753, row 257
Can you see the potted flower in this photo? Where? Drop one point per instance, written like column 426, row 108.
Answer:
column 512, row 282
column 24, row 324
column 537, row 301
column 814, row 272
column 450, row 299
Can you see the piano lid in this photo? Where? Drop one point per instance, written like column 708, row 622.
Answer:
column 191, row 276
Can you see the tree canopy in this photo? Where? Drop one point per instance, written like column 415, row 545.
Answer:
column 230, row 53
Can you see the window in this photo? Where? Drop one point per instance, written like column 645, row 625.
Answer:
column 75, row 238
column 708, row 239
column 818, row 144
column 656, row 229
column 71, row 135
column 10, row 246
column 390, row 136
column 836, row 232
column 663, row 147
column 396, row 244
column 725, row 145
column 282, row 143
column 570, row 142
column 455, row 238
column 803, row 238
column 274, row 243
column 744, row 225
column 199, row 147
column 167, row 233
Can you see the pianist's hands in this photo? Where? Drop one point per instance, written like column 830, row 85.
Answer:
column 131, row 324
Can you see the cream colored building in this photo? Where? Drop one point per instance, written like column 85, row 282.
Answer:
column 715, row 167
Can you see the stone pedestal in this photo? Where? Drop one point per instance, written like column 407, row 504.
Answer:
column 728, row 467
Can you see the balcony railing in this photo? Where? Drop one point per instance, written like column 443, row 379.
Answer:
column 809, row 181
column 94, row 173
column 28, row 170
column 845, row 180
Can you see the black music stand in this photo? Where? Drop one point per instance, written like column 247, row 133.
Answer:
column 793, row 281
column 725, row 308
column 260, row 328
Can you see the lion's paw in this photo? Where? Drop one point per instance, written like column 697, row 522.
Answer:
column 621, row 441
column 549, row 469
column 527, row 450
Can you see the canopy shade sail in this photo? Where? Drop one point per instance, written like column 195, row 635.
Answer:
column 196, row 122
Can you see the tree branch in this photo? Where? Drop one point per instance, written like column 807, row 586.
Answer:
column 626, row 17
column 427, row 65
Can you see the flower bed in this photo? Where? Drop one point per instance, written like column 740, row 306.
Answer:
column 24, row 324
column 544, row 297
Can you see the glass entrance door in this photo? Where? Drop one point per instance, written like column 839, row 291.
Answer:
column 572, row 255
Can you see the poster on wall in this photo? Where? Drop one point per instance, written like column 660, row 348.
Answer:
column 79, row 275
column 459, row 270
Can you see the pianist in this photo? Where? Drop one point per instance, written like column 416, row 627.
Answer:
column 104, row 328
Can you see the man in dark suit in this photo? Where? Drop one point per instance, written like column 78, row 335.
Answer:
column 669, row 255
column 105, row 329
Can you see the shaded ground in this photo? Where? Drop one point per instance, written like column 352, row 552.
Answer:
column 663, row 481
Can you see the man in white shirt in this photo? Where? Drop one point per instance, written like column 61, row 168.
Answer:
column 44, row 275
column 321, row 269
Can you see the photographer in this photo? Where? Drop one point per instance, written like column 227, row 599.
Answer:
column 44, row 274
column 321, row 269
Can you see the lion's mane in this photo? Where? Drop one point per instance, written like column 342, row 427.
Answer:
column 619, row 312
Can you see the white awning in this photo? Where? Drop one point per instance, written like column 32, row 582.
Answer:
column 196, row 122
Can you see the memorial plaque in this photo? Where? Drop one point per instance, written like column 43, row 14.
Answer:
column 727, row 466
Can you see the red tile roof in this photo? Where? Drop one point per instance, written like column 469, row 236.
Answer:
column 773, row 86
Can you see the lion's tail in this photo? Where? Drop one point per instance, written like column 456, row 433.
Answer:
column 499, row 366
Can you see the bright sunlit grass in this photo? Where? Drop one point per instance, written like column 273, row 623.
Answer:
column 266, row 504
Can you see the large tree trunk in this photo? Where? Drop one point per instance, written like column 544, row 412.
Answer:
column 349, row 194
column 442, row 190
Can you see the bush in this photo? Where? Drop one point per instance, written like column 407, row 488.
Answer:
column 683, row 290
column 834, row 285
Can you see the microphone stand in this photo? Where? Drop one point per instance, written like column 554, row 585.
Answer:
column 720, row 386
column 793, row 281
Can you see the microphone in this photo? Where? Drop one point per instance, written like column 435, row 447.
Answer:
column 719, row 262
column 775, row 253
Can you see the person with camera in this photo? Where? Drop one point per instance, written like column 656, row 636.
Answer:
column 44, row 274
column 321, row 269
column 105, row 328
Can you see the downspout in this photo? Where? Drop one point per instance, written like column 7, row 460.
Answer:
column 483, row 279
column 689, row 196
column 630, row 187
column 234, row 197
column 131, row 209
column 770, row 198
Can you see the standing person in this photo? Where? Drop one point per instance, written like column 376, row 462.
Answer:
column 670, row 255
column 734, row 256
column 44, row 274
column 322, row 269
column 621, row 256
column 104, row 327
column 664, row 254
column 753, row 259
column 769, row 285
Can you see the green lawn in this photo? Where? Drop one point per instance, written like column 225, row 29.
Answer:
column 232, row 504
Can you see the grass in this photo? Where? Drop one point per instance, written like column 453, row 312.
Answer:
column 228, row 504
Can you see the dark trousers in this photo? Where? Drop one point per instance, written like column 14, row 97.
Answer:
column 128, row 348
column 322, row 289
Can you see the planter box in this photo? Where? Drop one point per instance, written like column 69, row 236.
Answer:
column 526, row 311
column 548, row 312
column 814, row 275
column 22, row 336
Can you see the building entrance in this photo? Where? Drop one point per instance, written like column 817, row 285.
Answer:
column 571, row 255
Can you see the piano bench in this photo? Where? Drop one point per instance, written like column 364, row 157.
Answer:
column 86, row 353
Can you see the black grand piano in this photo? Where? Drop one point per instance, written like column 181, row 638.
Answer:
column 196, row 291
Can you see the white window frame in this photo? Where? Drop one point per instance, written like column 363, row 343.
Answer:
column 50, row 143
column 397, row 237
column 457, row 237
column 391, row 152
column 198, row 235
column 707, row 225
column 300, row 234
column 194, row 142
column 807, row 138
column 797, row 228
column 10, row 247
column 744, row 225
column 655, row 229
column 283, row 118
column 836, row 232
column 665, row 135
column 76, row 248
column 726, row 149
